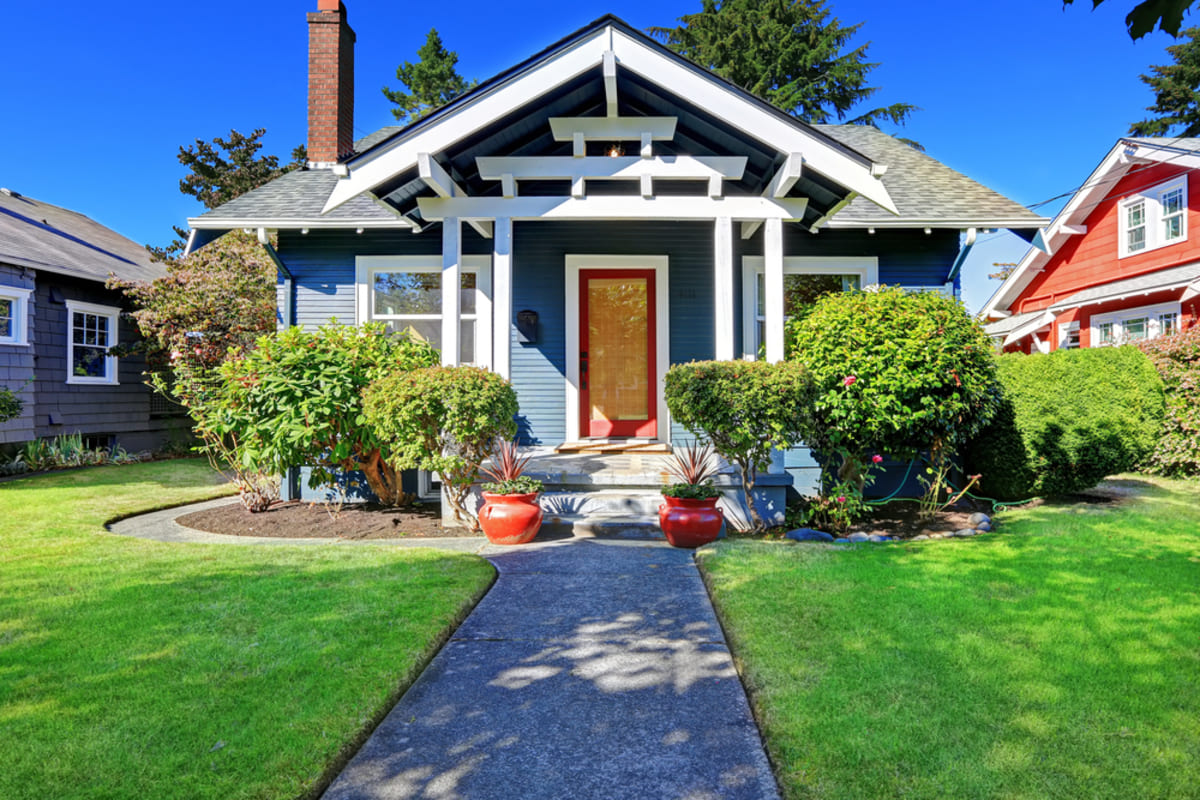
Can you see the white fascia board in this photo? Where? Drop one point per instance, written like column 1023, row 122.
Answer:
column 612, row 207
column 842, row 221
column 1110, row 170
column 1034, row 325
column 288, row 223
column 758, row 123
column 610, row 129
column 494, row 168
column 1174, row 156
column 375, row 167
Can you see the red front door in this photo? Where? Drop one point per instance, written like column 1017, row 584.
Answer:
column 616, row 352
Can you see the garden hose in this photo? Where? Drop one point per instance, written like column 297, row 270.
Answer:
column 996, row 504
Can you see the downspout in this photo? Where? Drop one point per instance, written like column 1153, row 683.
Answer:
column 963, row 252
column 287, row 314
column 289, row 484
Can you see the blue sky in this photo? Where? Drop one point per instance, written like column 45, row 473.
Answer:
column 1023, row 96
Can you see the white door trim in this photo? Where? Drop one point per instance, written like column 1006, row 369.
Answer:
column 662, row 352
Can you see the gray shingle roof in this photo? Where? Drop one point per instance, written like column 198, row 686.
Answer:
column 922, row 187
column 371, row 139
column 1008, row 324
column 1142, row 284
column 298, row 195
column 45, row 237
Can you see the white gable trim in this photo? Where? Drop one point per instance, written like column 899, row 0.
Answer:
column 376, row 167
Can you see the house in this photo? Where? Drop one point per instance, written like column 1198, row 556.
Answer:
column 58, row 324
column 1121, row 260
column 594, row 214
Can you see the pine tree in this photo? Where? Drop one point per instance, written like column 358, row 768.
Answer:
column 789, row 52
column 432, row 81
column 1176, row 92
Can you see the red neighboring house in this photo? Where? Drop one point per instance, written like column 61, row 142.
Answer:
column 1121, row 261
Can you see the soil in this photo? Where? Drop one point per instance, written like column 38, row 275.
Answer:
column 297, row 520
column 901, row 519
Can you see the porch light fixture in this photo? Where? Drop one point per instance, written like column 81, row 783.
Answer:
column 615, row 150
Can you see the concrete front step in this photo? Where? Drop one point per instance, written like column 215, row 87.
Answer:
column 585, row 502
column 611, row 526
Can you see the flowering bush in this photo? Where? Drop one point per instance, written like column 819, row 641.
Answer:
column 1177, row 359
column 894, row 372
column 834, row 511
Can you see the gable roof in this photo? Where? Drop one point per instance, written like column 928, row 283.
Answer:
column 1125, row 154
column 45, row 237
column 926, row 191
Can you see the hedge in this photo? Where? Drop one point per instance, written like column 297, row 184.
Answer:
column 1067, row 420
column 1177, row 359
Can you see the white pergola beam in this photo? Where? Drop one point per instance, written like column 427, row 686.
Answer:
column 502, row 302
column 436, row 178
column 781, row 183
column 610, row 83
column 614, row 207
column 569, row 168
column 610, row 129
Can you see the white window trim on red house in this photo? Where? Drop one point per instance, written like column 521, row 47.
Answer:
column 1154, row 219
column 1118, row 320
column 19, row 298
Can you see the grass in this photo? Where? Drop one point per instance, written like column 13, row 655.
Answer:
column 140, row 669
column 1060, row 658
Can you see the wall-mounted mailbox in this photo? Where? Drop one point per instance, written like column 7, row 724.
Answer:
column 527, row 327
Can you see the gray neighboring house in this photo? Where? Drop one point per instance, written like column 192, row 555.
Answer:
column 58, row 323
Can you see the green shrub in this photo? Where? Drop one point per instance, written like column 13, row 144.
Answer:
column 443, row 419
column 1067, row 420
column 894, row 372
column 10, row 404
column 1177, row 359
column 746, row 409
column 296, row 400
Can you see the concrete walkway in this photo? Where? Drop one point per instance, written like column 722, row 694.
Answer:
column 593, row 669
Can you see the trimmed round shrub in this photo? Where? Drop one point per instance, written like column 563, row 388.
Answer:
column 1177, row 359
column 443, row 419
column 1067, row 420
column 747, row 409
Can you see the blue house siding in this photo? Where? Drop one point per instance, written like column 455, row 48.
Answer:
column 322, row 265
column 16, row 363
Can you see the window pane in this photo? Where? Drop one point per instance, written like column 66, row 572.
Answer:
column 762, row 287
column 408, row 293
column 1136, row 215
column 1106, row 333
column 1136, row 329
column 1172, row 201
column 1173, row 227
column 800, row 292
column 467, row 295
column 89, row 362
column 6, row 318
column 466, row 342
column 427, row 330
column 1168, row 324
column 1136, row 239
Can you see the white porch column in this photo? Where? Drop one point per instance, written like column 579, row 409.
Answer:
column 502, row 310
column 723, row 290
column 451, row 288
column 773, row 289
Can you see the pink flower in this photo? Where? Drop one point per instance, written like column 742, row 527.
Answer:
column 842, row 499
column 875, row 459
column 176, row 355
column 849, row 380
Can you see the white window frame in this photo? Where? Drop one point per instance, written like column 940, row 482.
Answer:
column 1065, row 329
column 19, row 298
column 1118, row 319
column 113, row 314
column 1154, row 217
column 865, row 267
column 366, row 267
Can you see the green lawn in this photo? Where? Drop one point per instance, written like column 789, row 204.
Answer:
column 1058, row 659
column 139, row 669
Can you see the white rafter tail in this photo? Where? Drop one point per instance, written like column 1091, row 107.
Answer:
column 816, row 226
column 493, row 168
column 578, row 144
column 613, row 129
column 436, row 178
column 647, row 186
column 610, row 83
column 578, row 188
column 715, row 186
column 647, row 144
column 1073, row 230
column 615, row 207
column 508, row 185
column 786, row 177
column 417, row 227
column 750, row 227
column 878, row 170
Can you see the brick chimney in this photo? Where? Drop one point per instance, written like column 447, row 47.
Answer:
column 330, row 84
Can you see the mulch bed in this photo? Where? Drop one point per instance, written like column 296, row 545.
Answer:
column 297, row 520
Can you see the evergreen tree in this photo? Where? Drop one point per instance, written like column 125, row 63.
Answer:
column 432, row 81
column 788, row 52
column 1176, row 92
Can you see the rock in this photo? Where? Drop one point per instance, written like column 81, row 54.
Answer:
column 808, row 535
column 977, row 518
column 923, row 537
column 928, row 532
column 877, row 538
column 962, row 533
column 859, row 537
column 984, row 527
column 841, row 541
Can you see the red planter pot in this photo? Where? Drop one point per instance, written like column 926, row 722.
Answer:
column 690, row 523
column 510, row 518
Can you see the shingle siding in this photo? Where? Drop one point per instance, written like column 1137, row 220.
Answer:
column 16, row 363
